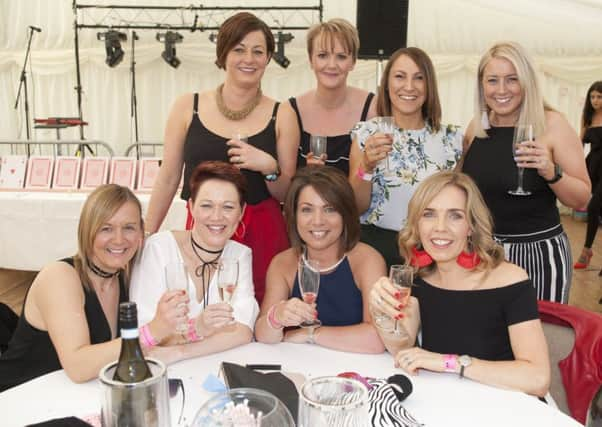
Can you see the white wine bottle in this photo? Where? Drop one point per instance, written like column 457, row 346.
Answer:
column 131, row 367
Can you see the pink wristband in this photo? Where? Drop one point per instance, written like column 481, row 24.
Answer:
column 272, row 321
column 146, row 337
column 451, row 362
column 192, row 335
column 363, row 175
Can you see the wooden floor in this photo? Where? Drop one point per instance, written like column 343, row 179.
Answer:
column 586, row 289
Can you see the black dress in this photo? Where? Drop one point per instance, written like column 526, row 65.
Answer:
column 593, row 136
column 31, row 353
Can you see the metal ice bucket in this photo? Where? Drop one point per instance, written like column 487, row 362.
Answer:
column 141, row 404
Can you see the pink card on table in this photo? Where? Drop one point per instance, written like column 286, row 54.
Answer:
column 66, row 173
column 94, row 172
column 148, row 169
column 123, row 171
column 39, row 172
column 12, row 171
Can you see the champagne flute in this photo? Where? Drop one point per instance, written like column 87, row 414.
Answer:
column 521, row 133
column 176, row 278
column 317, row 145
column 386, row 125
column 240, row 136
column 227, row 279
column 402, row 278
column 309, row 284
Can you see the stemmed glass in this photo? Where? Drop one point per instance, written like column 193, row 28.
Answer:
column 240, row 136
column 317, row 145
column 309, row 284
column 521, row 133
column 386, row 125
column 402, row 278
column 176, row 278
column 227, row 279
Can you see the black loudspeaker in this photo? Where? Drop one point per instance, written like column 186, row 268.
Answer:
column 382, row 26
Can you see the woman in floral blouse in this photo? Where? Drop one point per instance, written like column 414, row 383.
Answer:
column 388, row 163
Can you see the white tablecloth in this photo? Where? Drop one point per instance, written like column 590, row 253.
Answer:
column 39, row 227
column 438, row 399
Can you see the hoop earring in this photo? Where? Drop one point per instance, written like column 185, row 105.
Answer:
column 240, row 236
column 420, row 258
column 468, row 260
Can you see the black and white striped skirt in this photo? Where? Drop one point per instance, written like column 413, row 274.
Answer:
column 546, row 256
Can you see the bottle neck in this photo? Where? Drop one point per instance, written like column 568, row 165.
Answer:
column 130, row 333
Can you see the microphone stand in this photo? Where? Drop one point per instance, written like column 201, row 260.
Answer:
column 133, row 100
column 23, row 84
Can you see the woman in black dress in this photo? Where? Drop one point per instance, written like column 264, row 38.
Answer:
column 591, row 132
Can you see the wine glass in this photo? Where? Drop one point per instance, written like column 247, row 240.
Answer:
column 521, row 133
column 317, row 145
column 227, row 279
column 309, row 284
column 386, row 125
column 240, row 136
column 401, row 277
column 176, row 278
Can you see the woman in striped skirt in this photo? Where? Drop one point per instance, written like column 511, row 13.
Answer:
column 510, row 113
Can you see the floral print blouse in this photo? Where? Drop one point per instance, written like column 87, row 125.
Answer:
column 416, row 155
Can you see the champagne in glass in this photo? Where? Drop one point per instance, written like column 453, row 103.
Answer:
column 386, row 126
column 402, row 277
column 227, row 279
column 521, row 133
column 317, row 145
column 176, row 277
column 309, row 284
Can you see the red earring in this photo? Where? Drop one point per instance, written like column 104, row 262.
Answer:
column 468, row 260
column 420, row 258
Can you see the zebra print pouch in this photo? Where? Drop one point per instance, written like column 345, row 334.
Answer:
column 385, row 408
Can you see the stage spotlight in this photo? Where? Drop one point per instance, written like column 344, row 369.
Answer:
column 170, row 39
column 113, row 48
column 279, row 56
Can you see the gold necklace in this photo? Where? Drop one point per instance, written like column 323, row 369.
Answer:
column 236, row 114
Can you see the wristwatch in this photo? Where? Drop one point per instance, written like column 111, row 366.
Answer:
column 271, row 177
column 465, row 361
column 557, row 174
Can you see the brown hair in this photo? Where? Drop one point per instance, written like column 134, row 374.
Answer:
column 339, row 29
column 588, row 110
column 218, row 170
column 234, row 29
column 332, row 186
column 477, row 215
column 100, row 206
column 431, row 109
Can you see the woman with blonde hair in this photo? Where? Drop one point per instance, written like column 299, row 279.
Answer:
column 477, row 313
column 70, row 314
column 509, row 98
column 333, row 107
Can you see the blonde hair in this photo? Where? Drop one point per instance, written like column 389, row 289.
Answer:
column 99, row 207
column 533, row 106
column 339, row 29
column 477, row 215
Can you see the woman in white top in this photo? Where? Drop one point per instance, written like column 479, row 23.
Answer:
column 386, row 168
column 217, row 194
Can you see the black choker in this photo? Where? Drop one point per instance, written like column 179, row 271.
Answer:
column 100, row 272
column 194, row 243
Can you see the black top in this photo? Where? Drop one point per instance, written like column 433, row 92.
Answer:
column 473, row 322
column 201, row 144
column 593, row 136
column 337, row 147
column 489, row 161
column 31, row 353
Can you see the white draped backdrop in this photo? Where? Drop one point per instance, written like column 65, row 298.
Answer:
column 564, row 37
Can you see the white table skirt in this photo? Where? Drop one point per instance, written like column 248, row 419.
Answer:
column 438, row 399
column 39, row 227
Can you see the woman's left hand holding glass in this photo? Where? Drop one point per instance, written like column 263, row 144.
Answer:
column 245, row 156
column 384, row 297
column 412, row 359
column 213, row 318
column 536, row 155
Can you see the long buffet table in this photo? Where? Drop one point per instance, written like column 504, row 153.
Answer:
column 38, row 227
column 438, row 399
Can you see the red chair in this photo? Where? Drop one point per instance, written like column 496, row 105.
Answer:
column 581, row 370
